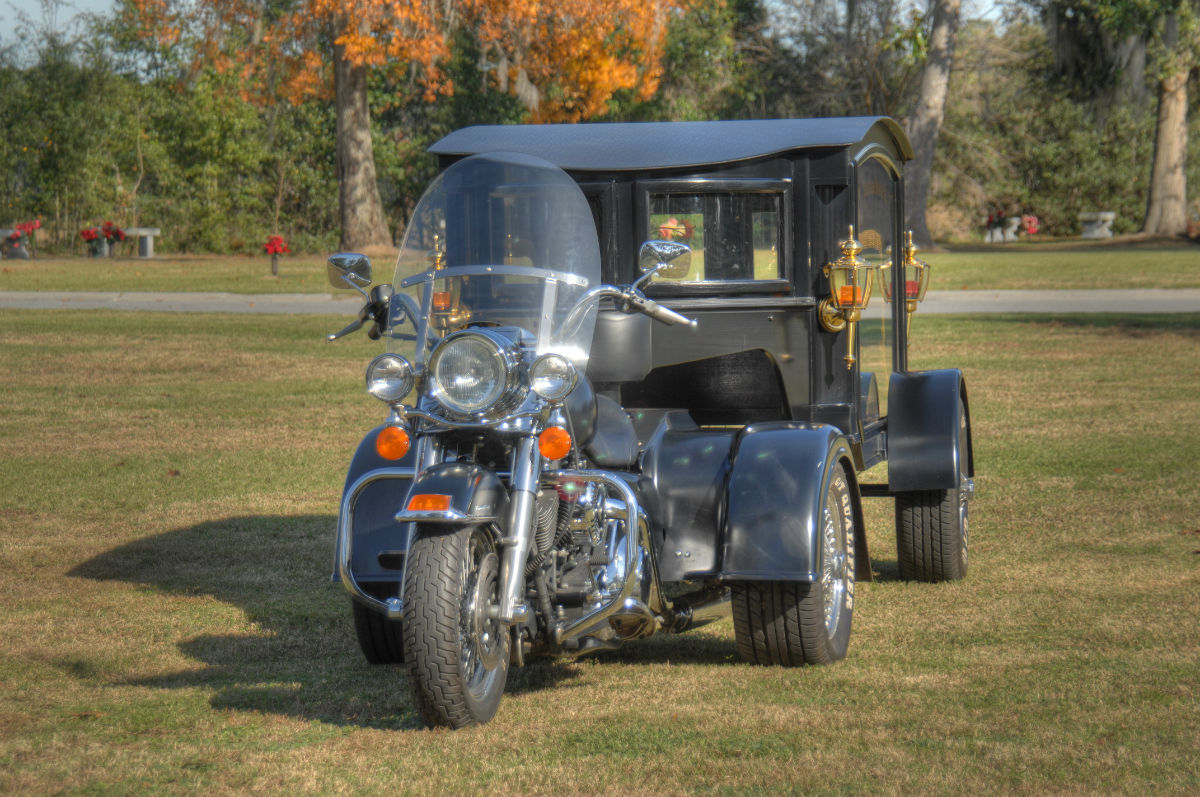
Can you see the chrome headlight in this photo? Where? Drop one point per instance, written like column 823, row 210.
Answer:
column 390, row 378
column 553, row 377
column 472, row 372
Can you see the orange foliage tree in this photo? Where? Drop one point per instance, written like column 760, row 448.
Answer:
column 564, row 59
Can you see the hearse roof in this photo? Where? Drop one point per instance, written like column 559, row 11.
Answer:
column 636, row 146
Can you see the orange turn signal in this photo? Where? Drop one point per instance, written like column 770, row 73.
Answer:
column 554, row 443
column 429, row 502
column 441, row 300
column 392, row 442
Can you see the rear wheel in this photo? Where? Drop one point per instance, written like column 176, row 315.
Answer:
column 791, row 623
column 381, row 640
column 457, row 656
column 931, row 525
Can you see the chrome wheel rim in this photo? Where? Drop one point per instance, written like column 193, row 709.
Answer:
column 481, row 638
column 834, row 569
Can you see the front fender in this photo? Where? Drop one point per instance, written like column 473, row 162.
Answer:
column 924, row 413
column 780, row 473
column 475, row 495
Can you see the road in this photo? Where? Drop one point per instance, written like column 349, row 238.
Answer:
column 1154, row 300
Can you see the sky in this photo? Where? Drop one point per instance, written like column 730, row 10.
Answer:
column 11, row 11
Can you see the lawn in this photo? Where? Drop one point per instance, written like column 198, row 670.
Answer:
column 171, row 483
column 1041, row 266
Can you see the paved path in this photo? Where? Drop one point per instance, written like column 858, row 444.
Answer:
column 1183, row 300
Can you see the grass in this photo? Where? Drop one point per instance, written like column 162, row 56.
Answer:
column 166, row 528
column 1057, row 265
column 1039, row 266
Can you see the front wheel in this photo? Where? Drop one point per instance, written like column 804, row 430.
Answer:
column 457, row 655
column 792, row 623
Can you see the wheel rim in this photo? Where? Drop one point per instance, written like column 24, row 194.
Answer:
column 481, row 638
column 835, row 565
column 962, row 480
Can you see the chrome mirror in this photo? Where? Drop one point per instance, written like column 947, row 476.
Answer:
column 670, row 259
column 349, row 269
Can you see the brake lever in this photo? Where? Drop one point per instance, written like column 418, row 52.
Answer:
column 354, row 325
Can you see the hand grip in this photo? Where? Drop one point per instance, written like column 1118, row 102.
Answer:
column 663, row 314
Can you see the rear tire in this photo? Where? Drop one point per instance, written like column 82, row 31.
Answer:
column 931, row 525
column 457, row 656
column 793, row 623
column 381, row 640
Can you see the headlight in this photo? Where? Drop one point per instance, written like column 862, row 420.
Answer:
column 471, row 372
column 552, row 377
column 390, row 378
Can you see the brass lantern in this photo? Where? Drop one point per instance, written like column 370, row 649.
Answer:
column 916, row 281
column 850, row 281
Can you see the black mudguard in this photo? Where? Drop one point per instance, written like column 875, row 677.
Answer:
column 922, row 436
column 779, row 476
column 375, row 489
column 475, row 491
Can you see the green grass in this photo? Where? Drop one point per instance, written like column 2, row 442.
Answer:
column 1041, row 266
column 1054, row 266
column 168, row 624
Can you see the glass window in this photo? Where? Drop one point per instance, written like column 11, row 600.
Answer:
column 875, row 230
column 734, row 237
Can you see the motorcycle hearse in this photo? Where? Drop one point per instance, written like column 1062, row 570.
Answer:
column 633, row 375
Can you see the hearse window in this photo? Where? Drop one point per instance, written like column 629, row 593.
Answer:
column 735, row 237
column 877, row 186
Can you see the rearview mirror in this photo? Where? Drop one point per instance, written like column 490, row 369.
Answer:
column 669, row 259
column 349, row 270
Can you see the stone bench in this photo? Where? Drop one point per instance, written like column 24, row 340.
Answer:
column 145, row 239
column 1097, row 225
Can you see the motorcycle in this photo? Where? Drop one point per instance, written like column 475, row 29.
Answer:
column 509, row 507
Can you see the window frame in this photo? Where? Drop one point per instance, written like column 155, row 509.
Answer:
column 781, row 188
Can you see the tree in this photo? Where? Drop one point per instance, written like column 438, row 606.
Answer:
column 565, row 63
column 1166, row 206
column 1168, row 28
column 925, row 123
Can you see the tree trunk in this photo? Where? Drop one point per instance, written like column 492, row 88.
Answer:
column 363, row 222
column 926, row 121
column 1166, row 209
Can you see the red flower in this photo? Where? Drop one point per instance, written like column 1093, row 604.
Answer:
column 90, row 234
column 112, row 232
column 275, row 245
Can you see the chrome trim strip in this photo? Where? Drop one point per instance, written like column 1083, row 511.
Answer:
column 343, row 555
column 549, row 275
column 447, row 516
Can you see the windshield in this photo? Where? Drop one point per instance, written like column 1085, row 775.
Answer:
column 499, row 240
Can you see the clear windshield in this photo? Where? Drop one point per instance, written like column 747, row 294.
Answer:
column 500, row 240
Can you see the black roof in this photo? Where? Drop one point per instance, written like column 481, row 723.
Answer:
column 656, row 145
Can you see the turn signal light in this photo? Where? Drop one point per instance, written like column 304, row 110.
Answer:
column 554, row 443
column 392, row 442
column 429, row 502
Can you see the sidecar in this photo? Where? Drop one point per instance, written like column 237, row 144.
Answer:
column 752, row 435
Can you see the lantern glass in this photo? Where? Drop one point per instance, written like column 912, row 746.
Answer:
column 850, row 277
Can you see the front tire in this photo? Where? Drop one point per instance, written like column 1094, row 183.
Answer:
column 792, row 623
column 457, row 656
column 931, row 525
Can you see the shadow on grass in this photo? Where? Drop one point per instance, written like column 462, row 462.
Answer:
column 295, row 653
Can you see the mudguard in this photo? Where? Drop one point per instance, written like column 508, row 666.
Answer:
column 780, row 473
column 923, row 420
column 371, row 543
column 476, row 495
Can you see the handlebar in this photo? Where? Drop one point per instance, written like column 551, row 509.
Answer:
column 375, row 310
column 656, row 311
